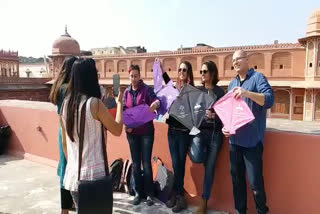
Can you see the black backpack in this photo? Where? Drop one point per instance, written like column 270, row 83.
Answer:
column 163, row 183
column 116, row 172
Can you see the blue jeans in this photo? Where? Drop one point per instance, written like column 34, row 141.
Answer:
column 141, row 150
column 213, row 142
column 179, row 142
column 248, row 159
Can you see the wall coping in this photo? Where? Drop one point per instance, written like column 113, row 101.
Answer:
column 273, row 124
column 28, row 104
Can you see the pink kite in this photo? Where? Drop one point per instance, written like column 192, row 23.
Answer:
column 234, row 113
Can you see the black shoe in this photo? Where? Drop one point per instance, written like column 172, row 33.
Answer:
column 172, row 201
column 136, row 200
column 181, row 204
column 149, row 201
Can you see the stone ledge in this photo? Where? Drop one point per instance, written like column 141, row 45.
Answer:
column 28, row 104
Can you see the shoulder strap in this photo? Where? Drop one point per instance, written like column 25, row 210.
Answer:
column 104, row 151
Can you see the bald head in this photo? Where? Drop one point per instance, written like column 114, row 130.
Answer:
column 241, row 53
column 240, row 61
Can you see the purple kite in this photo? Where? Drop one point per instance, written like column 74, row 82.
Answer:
column 234, row 113
column 137, row 116
column 167, row 95
column 157, row 76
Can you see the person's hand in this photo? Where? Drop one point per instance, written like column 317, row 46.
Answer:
column 225, row 132
column 239, row 92
column 109, row 92
column 119, row 99
column 154, row 106
column 162, row 70
column 210, row 114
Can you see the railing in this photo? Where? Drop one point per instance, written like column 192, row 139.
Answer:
column 22, row 80
column 206, row 50
column 9, row 54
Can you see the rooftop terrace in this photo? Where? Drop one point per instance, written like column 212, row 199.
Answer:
column 36, row 189
column 291, row 162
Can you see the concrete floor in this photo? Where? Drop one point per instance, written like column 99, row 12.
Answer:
column 303, row 127
column 31, row 188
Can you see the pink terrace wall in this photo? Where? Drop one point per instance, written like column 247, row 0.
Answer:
column 291, row 161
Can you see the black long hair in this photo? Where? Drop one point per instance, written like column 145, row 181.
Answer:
column 213, row 70
column 84, row 82
column 63, row 78
column 190, row 79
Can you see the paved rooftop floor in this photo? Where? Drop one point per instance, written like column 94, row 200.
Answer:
column 304, row 127
column 31, row 188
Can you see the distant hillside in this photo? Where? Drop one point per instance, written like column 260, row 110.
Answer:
column 31, row 60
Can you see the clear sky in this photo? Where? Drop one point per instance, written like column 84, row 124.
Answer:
column 31, row 26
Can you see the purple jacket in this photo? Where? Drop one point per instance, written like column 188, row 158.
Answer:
column 143, row 95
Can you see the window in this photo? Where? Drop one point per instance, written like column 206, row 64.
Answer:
column 169, row 69
column 255, row 67
column 232, row 67
column 298, row 110
column 281, row 66
column 299, row 99
column 310, row 65
column 151, row 70
column 109, row 70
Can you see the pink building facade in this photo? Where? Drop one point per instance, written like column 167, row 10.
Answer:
column 292, row 69
column 9, row 64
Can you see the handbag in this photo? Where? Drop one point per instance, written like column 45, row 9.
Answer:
column 95, row 196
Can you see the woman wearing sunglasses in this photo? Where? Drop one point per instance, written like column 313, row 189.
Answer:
column 211, row 130
column 179, row 141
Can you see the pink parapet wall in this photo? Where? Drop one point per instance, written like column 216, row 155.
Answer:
column 291, row 160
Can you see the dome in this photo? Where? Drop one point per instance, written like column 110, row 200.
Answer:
column 65, row 45
column 313, row 28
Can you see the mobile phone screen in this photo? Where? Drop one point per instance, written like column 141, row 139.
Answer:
column 116, row 84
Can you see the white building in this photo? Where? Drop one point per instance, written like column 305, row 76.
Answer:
column 34, row 70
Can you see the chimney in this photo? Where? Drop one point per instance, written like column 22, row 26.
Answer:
column 276, row 42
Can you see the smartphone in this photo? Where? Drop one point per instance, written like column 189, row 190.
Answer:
column 116, row 84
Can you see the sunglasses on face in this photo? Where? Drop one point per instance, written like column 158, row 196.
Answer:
column 238, row 58
column 203, row 71
column 182, row 70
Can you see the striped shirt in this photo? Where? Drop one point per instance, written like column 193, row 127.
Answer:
column 92, row 166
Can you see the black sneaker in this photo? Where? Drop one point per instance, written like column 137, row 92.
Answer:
column 181, row 204
column 149, row 201
column 136, row 200
column 171, row 202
